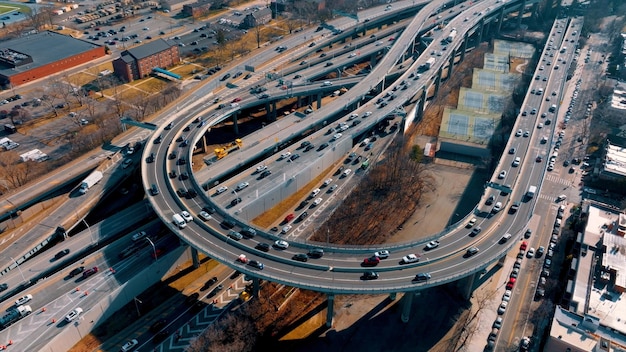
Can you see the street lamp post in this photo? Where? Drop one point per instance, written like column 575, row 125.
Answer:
column 153, row 248
column 90, row 232
column 136, row 306
column 20, row 269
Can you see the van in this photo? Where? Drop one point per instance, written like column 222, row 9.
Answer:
column 179, row 221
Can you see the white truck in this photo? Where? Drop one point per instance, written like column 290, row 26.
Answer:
column 90, row 181
column 532, row 190
column 451, row 36
column 427, row 65
column 14, row 315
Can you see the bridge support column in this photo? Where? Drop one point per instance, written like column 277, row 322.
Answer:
column 501, row 260
column 256, row 284
column 438, row 80
column 194, row 258
column 481, row 29
column 373, row 60
column 451, row 63
column 500, row 19
column 464, row 46
column 535, row 10
column 520, row 14
column 466, row 286
column 407, row 302
column 330, row 309
column 235, row 125
column 420, row 105
column 319, row 100
column 393, row 296
column 274, row 113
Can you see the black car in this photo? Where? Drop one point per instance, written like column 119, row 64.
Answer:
column 309, row 147
column 265, row 173
column 181, row 192
column 225, row 77
column 77, row 271
column 192, row 298
column 62, row 254
column 322, row 146
column 209, row 209
column 316, row 253
column 3, row 287
column 303, row 215
column 301, row 257
column 369, row 275
column 173, row 174
column 304, row 203
column 235, row 201
column 265, row 247
column 182, row 161
column 158, row 325
column 422, row 277
column 294, row 157
column 211, row 281
column 183, row 176
column 191, row 193
column 305, row 144
column 490, row 200
column 229, row 224
column 158, row 140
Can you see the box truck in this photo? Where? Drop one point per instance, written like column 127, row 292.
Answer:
column 90, row 181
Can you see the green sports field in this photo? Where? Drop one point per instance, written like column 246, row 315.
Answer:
column 8, row 7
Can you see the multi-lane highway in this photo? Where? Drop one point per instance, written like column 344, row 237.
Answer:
column 339, row 269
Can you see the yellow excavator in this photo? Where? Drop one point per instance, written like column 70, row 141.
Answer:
column 223, row 150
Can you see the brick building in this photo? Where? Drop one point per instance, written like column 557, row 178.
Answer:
column 29, row 58
column 138, row 62
column 257, row 18
column 197, row 9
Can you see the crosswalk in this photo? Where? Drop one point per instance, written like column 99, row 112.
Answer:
column 558, row 179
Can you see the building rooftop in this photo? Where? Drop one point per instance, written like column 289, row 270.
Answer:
column 38, row 45
column 147, row 49
column 615, row 159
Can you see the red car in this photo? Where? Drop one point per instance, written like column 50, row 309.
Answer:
column 89, row 272
column 289, row 217
column 236, row 100
column 371, row 261
column 511, row 283
column 523, row 246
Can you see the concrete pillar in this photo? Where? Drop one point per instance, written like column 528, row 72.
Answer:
column 235, row 125
column 520, row 13
column 194, row 258
column 319, row 100
column 256, row 284
column 373, row 60
column 500, row 19
column 464, row 46
column 393, row 295
column 420, row 105
column 535, row 10
column 466, row 286
column 481, row 27
column 438, row 80
column 407, row 302
column 451, row 63
column 330, row 309
column 274, row 113
column 501, row 260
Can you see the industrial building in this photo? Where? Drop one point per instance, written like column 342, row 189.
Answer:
column 138, row 62
column 30, row 58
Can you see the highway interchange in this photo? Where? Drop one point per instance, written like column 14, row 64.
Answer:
column 339, row 270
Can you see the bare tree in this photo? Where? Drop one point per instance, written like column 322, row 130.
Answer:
column 13, row 171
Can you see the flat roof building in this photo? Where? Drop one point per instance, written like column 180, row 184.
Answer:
column 39, row 55
column 614, row 165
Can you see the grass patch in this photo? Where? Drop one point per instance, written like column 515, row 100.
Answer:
column 187, row 70
column 152, row 85
column 265, row 220
column 8, row 7
column 82, row 78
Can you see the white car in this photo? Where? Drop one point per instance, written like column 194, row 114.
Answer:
column 285, row 229
column 328, row 181
column 502, row 174
column 432, row 245
column 261, row 168
column 23, row 300
column 333, row 188
column 73, row 314
column 318, row 201
column 367, row 113
column 285, row 155
column 352, row 55
column 242, row 186
column 502, row 307
column 204, row 216
column 497, row 207
column 411, row 258
column 129, row 345
column 281, row 244
column 353, row 116
column 384, row 254
column 346, row 172
column 472, row 222
column 337, row 136
column 530, row 253
column 185, row 214
column 518, row 133
column 507, row 296
column 540, row 125
column 365, row 142
column 516, row 162
column 221, row 190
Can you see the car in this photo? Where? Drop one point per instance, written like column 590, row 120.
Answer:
column 475, row 231
column 540, row 251
column 235, row 201
column 512, row 150
column 3, row 287
column 497, row 207
column 514, row 207
column 526, row 133
column 384, row 254
column 89, row 272
column 158, row 325
column 332, row 188
column 265, row 247
column 411, row 258
column 256, row 264
column 129, row 345
column 523, row 246
column 471, row 223
column 369, row 275
column 346, row 172
column 126, row 164
column 490, row 200
column 241, row 186
column 471, row 251
column 284, row 155
column 242, row 258
column 204, row 215
column 432, row 245
column 301, row 257
column 502, row 174
column 317, row 202
column 322, row 146
column 507, row 295
column 422, row 277
column 524, row 344
column 530, row 253
column 516, row 162
column 62, row 254
column 518, row 133
column 285, row 229
column 328, row 181
column 23, row 300
column 281, row 244
column 502, row 307
column 547, row 263
column 303, row 215
column 539, row 158
column 371, row 261
column 511, row 283
column 294, row 157
column 76, row 271
column 235, row 235
column 73, row 314
column 221, row 190
column 185, row 214
column 336, row 136
column 497, row 324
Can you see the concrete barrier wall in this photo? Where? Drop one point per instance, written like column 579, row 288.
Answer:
column 167, row 265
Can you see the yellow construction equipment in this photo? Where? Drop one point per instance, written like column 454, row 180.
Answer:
column 224, row 150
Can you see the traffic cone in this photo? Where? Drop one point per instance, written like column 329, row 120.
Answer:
column 86, row 293
column 10, row 343
column 77, row 289
column 43, row 309
column 54, row 320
